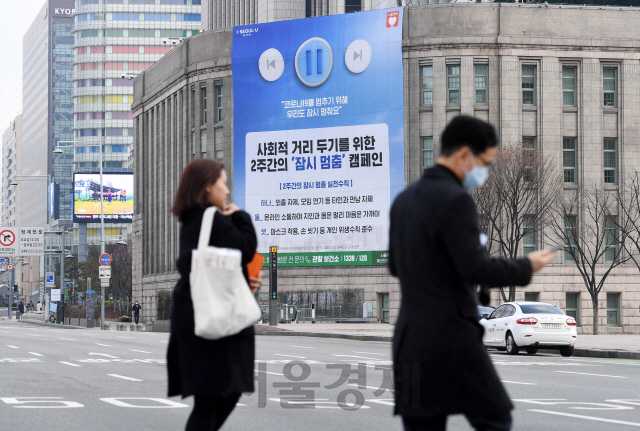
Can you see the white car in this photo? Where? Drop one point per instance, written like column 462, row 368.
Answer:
column 530, row 326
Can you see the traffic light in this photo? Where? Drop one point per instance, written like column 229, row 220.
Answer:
column 15, row 288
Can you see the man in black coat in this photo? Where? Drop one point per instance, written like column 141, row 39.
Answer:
column 136, row 312
column 440, row 364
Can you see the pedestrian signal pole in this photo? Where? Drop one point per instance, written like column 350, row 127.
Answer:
column 273, row 286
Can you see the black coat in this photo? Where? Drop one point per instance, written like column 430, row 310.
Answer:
column 136, row 309
column 440, row 364
column 209, row 367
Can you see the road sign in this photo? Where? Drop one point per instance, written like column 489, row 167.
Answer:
column 55, row 294
column 105, row 259
column 31, row 241
column 3, row 260
column 48, row 281
column 105, row 272
column 104, row 282
column 8, row 244
column 9, row 267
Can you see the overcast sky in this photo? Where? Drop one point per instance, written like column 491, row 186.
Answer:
column 16, row 17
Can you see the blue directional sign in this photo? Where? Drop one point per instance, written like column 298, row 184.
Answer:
column 49, row 278
column 105, row 259
column 3, row 260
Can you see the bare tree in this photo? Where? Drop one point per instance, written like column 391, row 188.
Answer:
column 629, row 206
column 516, row 201
column 121, row 283
column 593, row 238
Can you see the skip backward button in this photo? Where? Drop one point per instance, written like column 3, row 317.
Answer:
column 271, row 65
column 358, row 56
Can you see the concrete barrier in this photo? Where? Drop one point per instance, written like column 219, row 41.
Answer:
column 33, row 317
column 148, row 327
column 132, row 327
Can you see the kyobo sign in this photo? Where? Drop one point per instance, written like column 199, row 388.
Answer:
column 63, row 11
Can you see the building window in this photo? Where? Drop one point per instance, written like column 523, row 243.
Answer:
column 613, row 309
column 569, row 159
column 529, row 154
column 570, row 232
column 427, row 85
column 203, row 115
column 610, row 238
column 573, row 307
column 528, row 85
column 453, row 85
column 569, row 86
column 532, row 296
column 610, row 160
column 529, row 239
column 481, row 74
column 352, row 6
column 219, row 103
column 427, row 152
column 384, row 307
column 609, row 86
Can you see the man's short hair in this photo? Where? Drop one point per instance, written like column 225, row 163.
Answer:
column 467, row 131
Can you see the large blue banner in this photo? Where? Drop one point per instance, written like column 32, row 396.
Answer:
column 318, row 132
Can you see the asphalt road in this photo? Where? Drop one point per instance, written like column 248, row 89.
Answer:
column 63, row 379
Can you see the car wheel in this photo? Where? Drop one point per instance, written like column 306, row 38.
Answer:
column 512, row 347
column 532, row 350
column 566, row 351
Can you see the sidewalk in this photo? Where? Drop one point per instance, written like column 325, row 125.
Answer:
column 594, row 346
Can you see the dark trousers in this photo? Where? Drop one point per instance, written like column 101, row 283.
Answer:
column 136, row 316
column 211, row 411
column 439, row 423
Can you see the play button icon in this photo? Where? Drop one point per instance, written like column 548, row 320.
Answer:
column 271, row 64
column 358, row 56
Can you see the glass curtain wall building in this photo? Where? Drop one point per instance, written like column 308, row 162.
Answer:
column 115, row 40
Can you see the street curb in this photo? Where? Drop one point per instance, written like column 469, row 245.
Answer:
column 578, row 352
column 287, row 333
column 50, row 325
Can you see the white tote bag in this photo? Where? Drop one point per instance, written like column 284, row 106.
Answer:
column 223, row 304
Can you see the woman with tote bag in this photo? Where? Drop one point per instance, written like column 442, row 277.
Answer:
column 215, row 372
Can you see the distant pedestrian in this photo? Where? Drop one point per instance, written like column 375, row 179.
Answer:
column 20, row 309
column 216, row 372
column 136, row 311
column 31, row 305
column 109, row 196
column 436, row 249
column 123, row 195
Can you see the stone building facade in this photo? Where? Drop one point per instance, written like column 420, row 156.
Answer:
column 504, row 63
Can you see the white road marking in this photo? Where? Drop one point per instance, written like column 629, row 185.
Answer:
column 369, row 353
column 124, row 377
column 269, row 372
column 290, row 356
column 68, row 339
column 164, row 342
column 164, row 404
column 139, row 351
column 316, row 403
column 383, row 402
column 370, row 387
column 122, row 336
column 303, row 347
column 589, row 374
column 590, row 418
column 13, row 347
column 35, row 354
column 70, row 363
column 103, row 345
column 4, row 332
column 240, row 405
column 518, row 383
column 103, row 354
column 353, row 356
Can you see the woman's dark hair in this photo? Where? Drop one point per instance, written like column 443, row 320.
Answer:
column 192, row 193
column 467, row 131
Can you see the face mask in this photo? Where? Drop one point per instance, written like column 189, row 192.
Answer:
column 476, row 177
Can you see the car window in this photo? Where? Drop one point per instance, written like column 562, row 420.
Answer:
column 509, row 311
column 498, row 312
column 540, row 309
